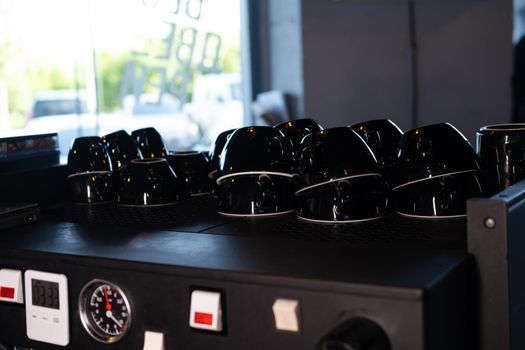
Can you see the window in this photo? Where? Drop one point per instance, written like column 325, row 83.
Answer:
column 90, row 67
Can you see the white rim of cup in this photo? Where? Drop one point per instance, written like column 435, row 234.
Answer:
column 146, row 205
column 436, row 177
column 247, row 173
column 90, row 173
column 148, row 160
column 338, row 221
column 184, row 153
column 256, row 215
column 432, row 216
column 507, row 127
column 211, row 173
column 336, row 180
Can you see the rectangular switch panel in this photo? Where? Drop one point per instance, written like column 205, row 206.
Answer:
column 11, row 286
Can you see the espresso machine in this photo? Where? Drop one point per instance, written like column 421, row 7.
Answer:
column 184, row 276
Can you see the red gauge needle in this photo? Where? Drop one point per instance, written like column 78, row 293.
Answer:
column 108, row 304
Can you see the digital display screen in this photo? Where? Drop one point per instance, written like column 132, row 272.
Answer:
column 45, row 294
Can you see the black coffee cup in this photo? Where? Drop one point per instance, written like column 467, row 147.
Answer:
column 344, row 201
column 256, row 195
column 149, row 182
column 91, row 188
column 192, row 169
column 215, row 152
column 501, row 149
column 432, row 151
column 383, row 137
column 334, row 154
column 443, row 196
column 256, row 149
column 88, row 154
column 150, row 143
column 121, row 148
column 297, row 129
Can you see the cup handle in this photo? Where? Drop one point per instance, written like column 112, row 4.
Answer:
column 344, row 190
column 373, row 138
column 267, row 191
column 308, row 157
column 514, row 162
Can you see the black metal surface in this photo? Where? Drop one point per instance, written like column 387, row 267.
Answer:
column 388, row 230
column 409, row 276
column 418, row 292
column 194, row 215
column 496, row 239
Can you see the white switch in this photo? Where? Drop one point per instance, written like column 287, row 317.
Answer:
column 153, row 341
column 286, row 313
column 11, row 286
column 206, row 310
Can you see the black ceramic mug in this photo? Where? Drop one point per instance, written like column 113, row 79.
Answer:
column 149, row 182
column 88, row 154
column 443, row 196
column 432, row 151
column 215, row 152
column 334, row 154
column 383, row 137
column 91, row 188
column 297, row 129
column 150, row 143
column 121, row 148
column 501, row 149
column 255, row 195
column 256, row 149
column 192, row 169
column 90, row 178
column 350, row 200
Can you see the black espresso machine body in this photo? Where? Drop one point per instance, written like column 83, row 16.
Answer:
column 281, row 283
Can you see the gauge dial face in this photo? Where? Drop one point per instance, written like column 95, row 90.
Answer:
column 105, row 311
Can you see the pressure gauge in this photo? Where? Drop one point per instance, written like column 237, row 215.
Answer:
column 105, row 311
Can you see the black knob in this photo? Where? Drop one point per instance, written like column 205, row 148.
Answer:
column 356, row 334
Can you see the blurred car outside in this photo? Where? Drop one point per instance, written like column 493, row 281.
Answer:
column 177, row 129
column 58, row 102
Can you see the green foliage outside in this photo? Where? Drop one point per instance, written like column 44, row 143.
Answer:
column 24, row 81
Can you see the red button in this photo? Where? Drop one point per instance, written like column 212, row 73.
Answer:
column 203, row 318
column 8, row 293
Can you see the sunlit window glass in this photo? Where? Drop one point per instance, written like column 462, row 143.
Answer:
column 91, row 67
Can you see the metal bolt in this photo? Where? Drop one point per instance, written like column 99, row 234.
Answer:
column 489, row 223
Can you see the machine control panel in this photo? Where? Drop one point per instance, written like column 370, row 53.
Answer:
column 47, row 310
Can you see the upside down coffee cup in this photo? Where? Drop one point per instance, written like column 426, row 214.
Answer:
column 256, row 173
column 150, row 143
column 121, row 148
column 91, row 179
column 432, row 151
column 192, row 169
column 149, row 182
column 255, row 195
column 383, row 137
column 501, row 149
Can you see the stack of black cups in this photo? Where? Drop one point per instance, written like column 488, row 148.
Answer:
column 91, row 179
column 255, row 175
column 339, row 178
column 135, row 170
column 435, row 173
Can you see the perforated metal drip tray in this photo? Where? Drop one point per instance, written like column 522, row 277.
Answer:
column 198, row 214
column 193, row 215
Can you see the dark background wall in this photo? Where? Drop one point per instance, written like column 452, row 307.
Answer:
column 347, row 61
